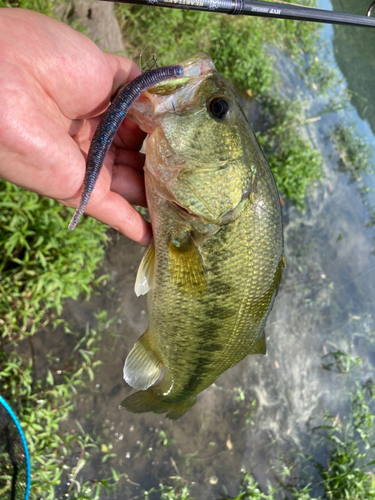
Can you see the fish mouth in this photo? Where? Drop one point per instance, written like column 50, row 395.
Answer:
column 195, row 67
column 171, row 95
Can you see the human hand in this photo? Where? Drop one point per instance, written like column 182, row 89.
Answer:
column 54, row 84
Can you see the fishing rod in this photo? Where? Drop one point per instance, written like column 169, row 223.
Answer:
column 263, row 9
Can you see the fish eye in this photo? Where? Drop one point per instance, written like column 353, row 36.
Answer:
column 219, row 107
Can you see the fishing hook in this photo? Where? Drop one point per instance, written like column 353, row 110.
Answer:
column 151, row 64
column 369, row 10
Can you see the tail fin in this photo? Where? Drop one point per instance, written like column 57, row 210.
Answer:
column 151, row 400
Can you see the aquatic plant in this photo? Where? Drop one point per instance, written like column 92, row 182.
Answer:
column 348, row 472
column 356, row 159
column 355, row 154
column 340, row 361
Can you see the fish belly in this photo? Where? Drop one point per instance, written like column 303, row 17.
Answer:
column 201, row 331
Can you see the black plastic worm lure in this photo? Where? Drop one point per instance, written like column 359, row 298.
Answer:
column 110, row 123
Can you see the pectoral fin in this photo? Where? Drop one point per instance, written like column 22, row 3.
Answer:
column 143, row 281
column 142, row 366
column 260, row 346
column 186, row 267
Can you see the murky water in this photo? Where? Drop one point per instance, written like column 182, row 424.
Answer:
column 326, row 302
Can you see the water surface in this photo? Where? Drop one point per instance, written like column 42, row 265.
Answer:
column 260, row 408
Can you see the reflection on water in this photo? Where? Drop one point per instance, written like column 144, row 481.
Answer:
column 261, row 407
column 354, row 53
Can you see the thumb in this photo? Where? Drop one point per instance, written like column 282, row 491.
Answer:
column 124, row 70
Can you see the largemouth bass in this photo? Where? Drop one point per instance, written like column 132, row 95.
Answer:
column 215, row 264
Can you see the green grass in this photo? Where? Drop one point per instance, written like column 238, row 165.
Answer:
column 294, row 163
column 43, row 405
column 243, row 50
column 42, row 6
column 239, row 46
column 41, row 262
column 349, row 471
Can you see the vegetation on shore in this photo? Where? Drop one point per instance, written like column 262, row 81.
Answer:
column 249, row 63
column 41, row 264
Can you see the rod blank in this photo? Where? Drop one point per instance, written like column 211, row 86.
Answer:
column 260, row 9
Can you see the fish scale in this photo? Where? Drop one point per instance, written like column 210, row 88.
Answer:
column 217, row 254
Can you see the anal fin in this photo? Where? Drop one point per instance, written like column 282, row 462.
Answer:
column 260, row 345
column 142, row 366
